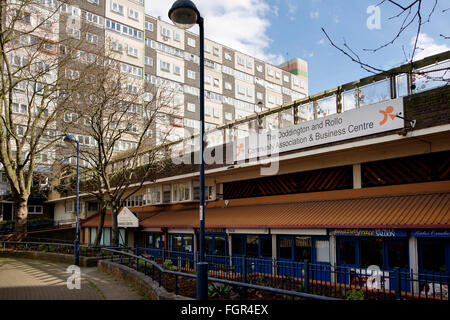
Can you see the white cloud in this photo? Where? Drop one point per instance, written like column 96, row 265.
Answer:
column 321, row 42
column 426, row 46
column 314, row 14
column 239, row 24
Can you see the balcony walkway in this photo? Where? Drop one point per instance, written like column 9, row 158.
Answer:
column 26, row 279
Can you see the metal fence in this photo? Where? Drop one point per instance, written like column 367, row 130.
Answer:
column 313, row 278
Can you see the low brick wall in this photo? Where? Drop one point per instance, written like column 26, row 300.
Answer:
column 137, row 280
column 49, row 256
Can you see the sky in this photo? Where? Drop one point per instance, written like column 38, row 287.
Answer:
column 277, row 30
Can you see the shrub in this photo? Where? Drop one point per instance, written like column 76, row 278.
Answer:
column 216, row 290
column 168, row 265
column 355, row 295
column 142, row 265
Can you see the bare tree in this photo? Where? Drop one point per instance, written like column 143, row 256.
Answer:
column 31, row 99
column 413, row 15
column 114, row 118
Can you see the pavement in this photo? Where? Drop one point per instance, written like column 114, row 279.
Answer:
column 28, row 279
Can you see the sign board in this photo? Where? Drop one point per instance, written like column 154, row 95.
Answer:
column 127, row 219
column 367, row 120
column 368, row 232
column 430, row 233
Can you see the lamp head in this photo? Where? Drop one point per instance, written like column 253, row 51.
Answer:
column 184, row 14
column 69, row 138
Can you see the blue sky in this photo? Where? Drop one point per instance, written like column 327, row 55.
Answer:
column 275, row 29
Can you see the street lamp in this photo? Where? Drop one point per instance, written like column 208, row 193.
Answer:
column 70, row 138
column 184, row 14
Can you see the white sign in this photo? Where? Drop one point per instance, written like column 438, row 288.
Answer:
column 126, row 219
column 367, row 120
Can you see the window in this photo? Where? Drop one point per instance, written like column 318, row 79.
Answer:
column 165, row 66
column 191, row 74
column 216, row 51
column 133, row 14
column 398, row 254
column 259, row 96
column 277, row 75
column 208, row 79
column 35, row 209
column 191, row 107
column 252, row 246
column 74, row 33
column 347, row 252
column 132, row 51
column 228, row 56
column 285, row 248
column 259, row 68
column 322, row 251
column 93, row 1
column 92, row 206
column 116, row 46
column 167, row 190
column 249, row 64
column 181, row 191
column 20, row 108
column 286, row 78
column 433, row 256
column 371, row 252
column 92, row 38
column 302, row 248
column 207, row 48
column 228, row 86
column 191, row 42
column 148, row 26
column 176, row 36
column 149, row 61
column 228, row 116
column 165, row 32
column 240, row 61
column 216, row 82
column 117, row 7
column 270, row 72
column 70, row 204
column 177, row 70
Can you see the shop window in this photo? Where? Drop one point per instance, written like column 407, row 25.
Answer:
column 347, row 250
column 371, row 252
column 93, row 235
column 285, row 249
column 398, row 254
column 252, row 246
column 266, row 247
column 433, row 257
column 209, row 245
column 322, row 251
column 302, row 249
column 176, row 243
column 220, row 246
column 187, row 244
column 238, row 245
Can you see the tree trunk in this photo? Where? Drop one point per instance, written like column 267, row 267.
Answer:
column 101, row 222
column 20, row 218
column 115, row 227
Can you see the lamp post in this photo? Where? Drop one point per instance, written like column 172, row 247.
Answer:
column 184, row 14
column 70, row 138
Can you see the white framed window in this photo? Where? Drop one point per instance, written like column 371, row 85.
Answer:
column 216, row 113
column 181, row 191
column 207, row 48
column 116, row 7
column 94, row 1
column 92, row 38
column 191, row 107
column 249, row 64
column 259, row 95
column 228, row 56
column 165, row 32
column 216, row 82
column 216, row 51
column 228, row 116
column 207, row 110
column 165, row 66
column 19, row 108
column 176, row 36
column 70, row 206
column 271, row 98
column 133, row 14
column 191, row 42
column 132, row 51
column 249, row 92
column 148, row 97
column 149, row 61
column 148, row 26
column 259, row 68
column 277, row 75
column 270, row 72
column 286, row 78
column 154, row 195
column 240, row 61
column 74, row 33
column 208, row 79
column 177, row 70
column 296, row 82
column 191, row 74
column 228, row 86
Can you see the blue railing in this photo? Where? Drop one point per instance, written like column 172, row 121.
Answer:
column 307, row 277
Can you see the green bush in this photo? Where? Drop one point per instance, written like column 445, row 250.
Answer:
column 355, row 295
column 142, row 265
column 43, row 248
column 217, row 290
column 168, row 265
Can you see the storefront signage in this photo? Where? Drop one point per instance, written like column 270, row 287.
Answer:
column 126, row 219
column 367, row 120
column 368, row 232
column 430, row 233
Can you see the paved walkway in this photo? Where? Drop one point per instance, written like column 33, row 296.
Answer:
column 27, row 279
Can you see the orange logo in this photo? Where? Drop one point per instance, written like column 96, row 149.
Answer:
column 240, row 148
column 386, row 113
